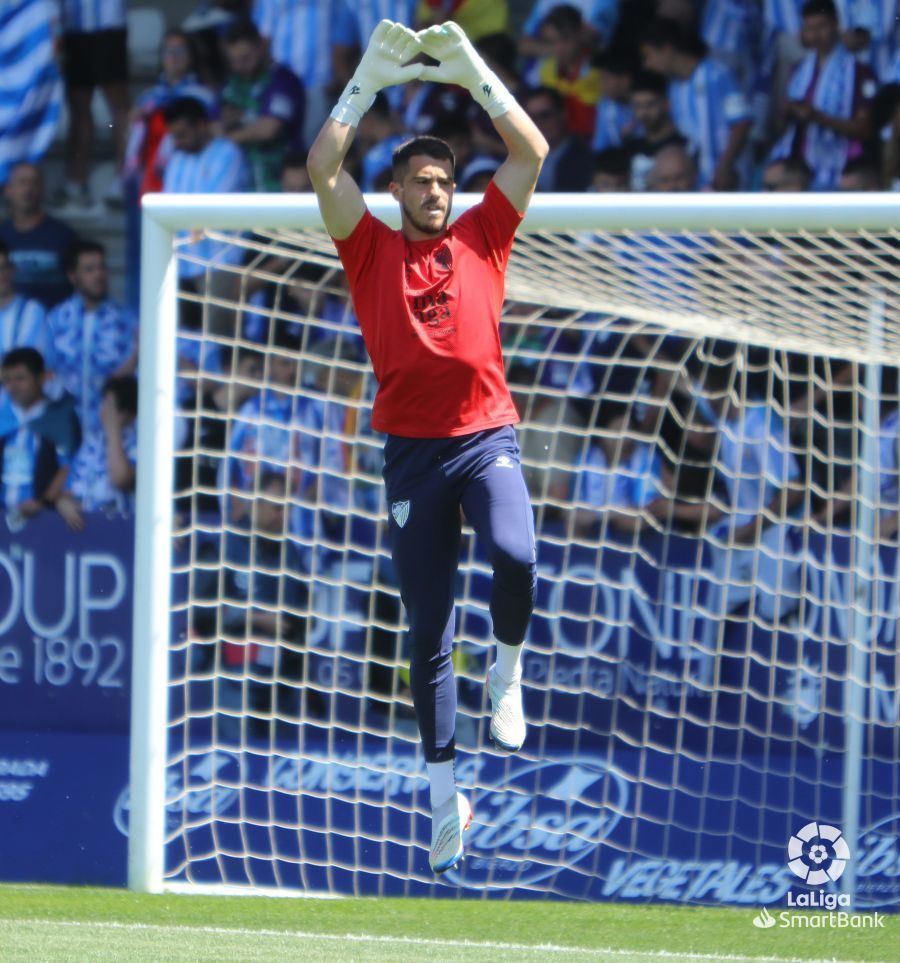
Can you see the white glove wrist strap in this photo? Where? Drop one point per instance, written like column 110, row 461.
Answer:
column 491, row 93
column 355, row 100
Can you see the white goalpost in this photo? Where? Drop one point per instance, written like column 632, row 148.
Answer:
column 708, row 387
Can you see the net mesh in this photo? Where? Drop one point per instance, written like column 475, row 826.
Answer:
column 710, row 436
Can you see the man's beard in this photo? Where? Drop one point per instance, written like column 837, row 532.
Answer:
column 424, row 226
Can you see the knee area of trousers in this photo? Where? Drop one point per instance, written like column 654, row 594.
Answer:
column 516, row 565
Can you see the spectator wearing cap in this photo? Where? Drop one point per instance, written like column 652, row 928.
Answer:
column 707, row 104
column 828, row 105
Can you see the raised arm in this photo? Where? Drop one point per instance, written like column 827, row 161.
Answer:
column 461, row 64
column 391, row 46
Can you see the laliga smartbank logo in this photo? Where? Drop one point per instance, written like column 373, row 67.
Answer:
column 818, row 854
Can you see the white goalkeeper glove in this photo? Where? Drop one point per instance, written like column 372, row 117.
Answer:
column 390, row 47
column 461, row 64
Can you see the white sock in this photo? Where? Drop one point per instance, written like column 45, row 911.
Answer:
column 442, row 781
column 509, row 662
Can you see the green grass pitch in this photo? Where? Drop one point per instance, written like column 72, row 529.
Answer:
column 72, row 923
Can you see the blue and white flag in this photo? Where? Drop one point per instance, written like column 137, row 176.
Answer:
column 30, row 84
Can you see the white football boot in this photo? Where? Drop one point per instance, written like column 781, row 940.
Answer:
column 448, row 823
column 507, row 717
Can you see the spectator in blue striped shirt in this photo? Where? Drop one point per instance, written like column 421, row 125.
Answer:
column 733, row 30
column 23, row 322
column 96, row 55
column 102, row 474
column 149, row 148
column 306, row 35
column 38, row 437
column 30, row 83
column 615, row 121
column 870, row 31
column 708, row 106
column 37, row 242
column 93, row 337
column 829, row 101
column 203, row 163
column 262, row 105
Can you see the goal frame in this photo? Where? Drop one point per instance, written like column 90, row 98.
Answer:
column 165, row 214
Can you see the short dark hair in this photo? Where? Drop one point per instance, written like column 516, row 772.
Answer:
column 29, row 358
column 450, row 124
column 798, row 168
column 186, row 108
column 426, row 146
column 649, row 81
column 548, row 92
column 666, row 32
column 819, row 8
column 77, row 248
column 615, row 60
column 611, row 410
column 502, row 49
column 565, row 18
column 124, row 389
column 863, row 166
column 294, row 160
column 286, row 335
column 242, row 30
column 614, row 161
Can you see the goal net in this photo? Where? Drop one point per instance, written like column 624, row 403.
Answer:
column 710, row 433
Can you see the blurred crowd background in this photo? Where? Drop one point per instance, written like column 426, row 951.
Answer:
column 102, row 101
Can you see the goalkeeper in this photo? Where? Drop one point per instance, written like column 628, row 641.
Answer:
column 428, row 299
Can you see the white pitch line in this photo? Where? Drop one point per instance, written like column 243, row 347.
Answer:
column 413, row 941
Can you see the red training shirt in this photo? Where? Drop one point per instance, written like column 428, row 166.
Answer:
column 430, row 316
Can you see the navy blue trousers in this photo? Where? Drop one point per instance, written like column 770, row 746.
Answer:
column 428, row 481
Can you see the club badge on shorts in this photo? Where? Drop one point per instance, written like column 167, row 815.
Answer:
column 400, row 511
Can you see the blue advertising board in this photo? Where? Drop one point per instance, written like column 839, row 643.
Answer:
column 611, row 800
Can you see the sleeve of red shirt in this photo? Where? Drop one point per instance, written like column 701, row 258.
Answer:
column 497, row 220
column 355, row 250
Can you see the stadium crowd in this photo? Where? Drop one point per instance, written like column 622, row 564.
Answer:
column 631, row 95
